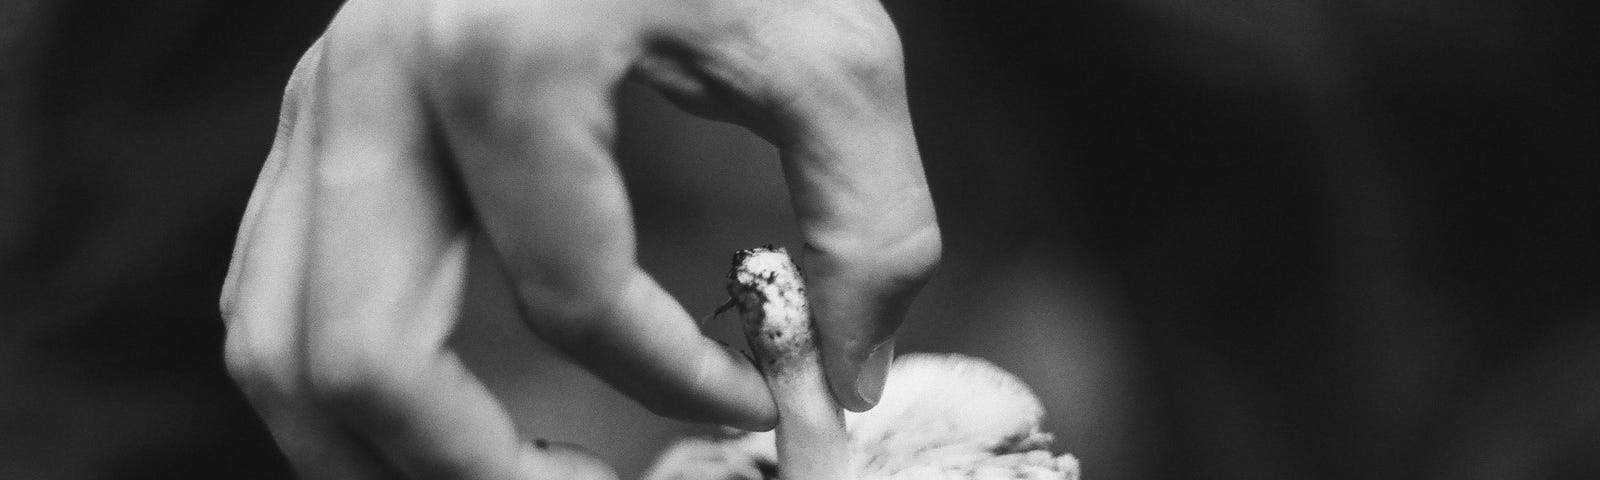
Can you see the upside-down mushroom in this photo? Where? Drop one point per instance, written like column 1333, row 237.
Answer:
column 942, row 416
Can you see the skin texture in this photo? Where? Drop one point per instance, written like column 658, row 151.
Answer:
column 412, row 127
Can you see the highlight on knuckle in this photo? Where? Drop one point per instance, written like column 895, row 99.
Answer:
column 362, row 31
column 858, row 51
column 913, row 259
column 347, row 378
column 921, row 254
column 564, row 292
column 871, row 59
column 567, row 316
column 456, row 33
column 512, row 40
column 257, row 371
column 245, row 366
column 905, row 258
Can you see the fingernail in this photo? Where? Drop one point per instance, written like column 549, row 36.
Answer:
column 874, row 371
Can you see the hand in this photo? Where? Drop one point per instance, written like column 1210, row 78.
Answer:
column 412, row 126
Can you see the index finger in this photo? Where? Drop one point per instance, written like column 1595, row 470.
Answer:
column 861, row 198
column 823, row 81
column 530, row 131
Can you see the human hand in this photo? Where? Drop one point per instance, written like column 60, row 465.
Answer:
column 412, row 126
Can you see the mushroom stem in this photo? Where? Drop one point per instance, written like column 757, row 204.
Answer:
column 812, row 442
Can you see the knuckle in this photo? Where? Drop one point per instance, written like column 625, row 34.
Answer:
column 832, row 63
column 905, row 259
column 365, row 30
column 244, row 365
column 919, row 255
column 870, row 58
column 567, row 327
column 228, row 304
column 568, row 293
column 512, row 39
column 255, row 370
column 298, row 91
column 457, row 32
column 913, row 259
column 572, row 312
column 346, row 377
column 860, row 50
column 474, row 56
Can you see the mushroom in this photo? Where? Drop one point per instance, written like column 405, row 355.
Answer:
column 942, row 416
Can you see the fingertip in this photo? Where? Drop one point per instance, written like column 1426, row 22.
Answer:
column 857, row 315
column 722, row 387
column 650, row 349
column 749, row 405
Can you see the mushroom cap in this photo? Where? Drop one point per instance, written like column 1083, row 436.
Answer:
column 942, row 416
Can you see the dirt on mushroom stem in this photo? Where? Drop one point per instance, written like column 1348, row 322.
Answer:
column 811, row 439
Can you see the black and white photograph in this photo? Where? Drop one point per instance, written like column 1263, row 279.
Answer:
column 799, row 240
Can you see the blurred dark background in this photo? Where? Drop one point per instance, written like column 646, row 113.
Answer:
column 1222, row 238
